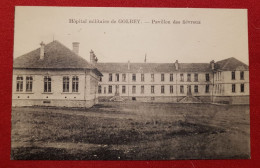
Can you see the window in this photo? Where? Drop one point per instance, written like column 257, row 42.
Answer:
column 99, row 89
column 142, row 77
column 171, row 77
column 233, row 75
column 218, row 76
column 162, row 77
column 242, row 75
column 105, row 90
column 123, row 77
column 19, row 83
column 171, row 89
column 196, row 77
column 242, row 88
column 188, row 77
column 142, row 89
column 100, row 79
column 152, row 89
column 207, row 89
column 152, row 77
column 134, row 77
column 207, row 77
column 110, row 79
column 233, row 88
column 66, row 84
column 182, row 77
column 133, row 89
column 75, row 84
column 181, row 89
column 29, row 83
column 117, row 77
column 123, row 89
column 109, row 89
column 196, row 90
column 47, row 84
column 162, row 89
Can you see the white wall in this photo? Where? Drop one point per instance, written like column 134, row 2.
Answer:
column 84, row 90
column 157, row 83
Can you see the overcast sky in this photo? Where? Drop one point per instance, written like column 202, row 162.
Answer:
column 221, row 34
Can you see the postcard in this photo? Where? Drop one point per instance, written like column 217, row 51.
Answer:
column 96, row 83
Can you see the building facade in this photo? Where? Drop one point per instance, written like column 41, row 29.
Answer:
column 54, row 75
column 225, row 81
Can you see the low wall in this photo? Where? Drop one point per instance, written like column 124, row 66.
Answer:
column 175, row 99
column 165, row 99
column 54, row 102
column 231, row 99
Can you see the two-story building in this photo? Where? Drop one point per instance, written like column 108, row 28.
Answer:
column 54, row 75
column 231, row 82
column 175, row 82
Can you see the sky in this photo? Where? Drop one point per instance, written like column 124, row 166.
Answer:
column 222, row 33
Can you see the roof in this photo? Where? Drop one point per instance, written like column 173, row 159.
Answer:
column 153, row 67
column 231, row 64
column 56, row 56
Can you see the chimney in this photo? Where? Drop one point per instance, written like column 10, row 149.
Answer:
column 75, row 47
column 177, row 65
column 93, row 58
column 128, row 65
column 42, row 50
column 212, row 64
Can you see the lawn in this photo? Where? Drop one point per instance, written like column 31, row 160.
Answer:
column 131, row 131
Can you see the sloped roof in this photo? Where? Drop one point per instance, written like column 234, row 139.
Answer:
column 152, row 67
column 230, row 64
column 56, row 56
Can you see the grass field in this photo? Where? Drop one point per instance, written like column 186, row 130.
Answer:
column 131, row 131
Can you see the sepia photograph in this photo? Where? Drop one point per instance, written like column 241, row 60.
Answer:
column 96, row 83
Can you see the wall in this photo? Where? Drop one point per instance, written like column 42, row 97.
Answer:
column 57, row 97
column 220, row 90
column 147, row 83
